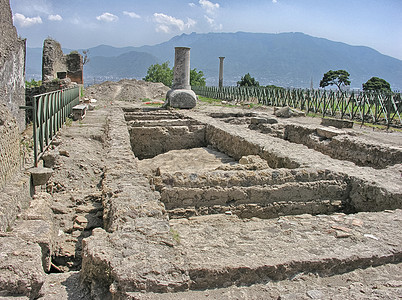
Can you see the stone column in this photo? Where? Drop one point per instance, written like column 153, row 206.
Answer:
column 181, row 75
column 221, row 71
column 181, row 95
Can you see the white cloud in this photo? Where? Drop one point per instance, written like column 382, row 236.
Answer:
column 191, row 4
column 54, row 18
column 209, row 7
column 274, row 1
column 212, row 23
column 168, row 24
column 107, row 17
column 209, row 20
column 23, row 21
column 131, row 14
column 190, row 23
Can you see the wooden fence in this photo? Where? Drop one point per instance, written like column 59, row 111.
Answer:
column 367, row 107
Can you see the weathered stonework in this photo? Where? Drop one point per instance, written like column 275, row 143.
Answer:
column 14, row 185
column 12, row 66
column 55, row 64
column 181, row 95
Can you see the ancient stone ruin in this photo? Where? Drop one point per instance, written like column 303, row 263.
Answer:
column 220, row 83
column 55, row 64
column 12, row 66
column 181, row 95
column 216, row 202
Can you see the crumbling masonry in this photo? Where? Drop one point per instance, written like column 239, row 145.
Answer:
column 57, row 65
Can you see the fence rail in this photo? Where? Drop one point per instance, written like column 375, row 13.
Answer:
column 49, row 112
column 366, row 107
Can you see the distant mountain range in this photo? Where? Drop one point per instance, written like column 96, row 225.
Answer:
column 285, row 59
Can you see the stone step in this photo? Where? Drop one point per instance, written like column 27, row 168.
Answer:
column 263, row 195
column 222, row 250
column 383, row 282
column 219, row 251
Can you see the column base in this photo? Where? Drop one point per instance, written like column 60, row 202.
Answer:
column 181, row 98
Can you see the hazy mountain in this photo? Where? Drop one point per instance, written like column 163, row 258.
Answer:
column 285, row 59
column 127, row 65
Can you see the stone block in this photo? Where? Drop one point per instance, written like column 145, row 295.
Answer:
column 181, row 98
column 287, row 112
column 338, row 123
column 259, row 120
column 21, row 272
column 40, row 175
column 49, row 160
column 329, row 133
column 40, row 232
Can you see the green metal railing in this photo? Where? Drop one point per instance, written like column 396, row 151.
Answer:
column 365, row 107
column 50, row 111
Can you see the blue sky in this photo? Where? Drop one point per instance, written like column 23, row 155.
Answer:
column 87, row 23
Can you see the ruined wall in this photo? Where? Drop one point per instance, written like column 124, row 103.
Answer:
column 53, row 60
column 9, row 145
column 75, row 67
column 12, row 66
column 57, row 65
column 14, row 185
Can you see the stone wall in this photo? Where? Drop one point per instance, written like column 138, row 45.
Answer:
column 9, row 145
column 12, row 65
column 57, row 65
column 53, row 60
column 75, row 67
column 14, row 185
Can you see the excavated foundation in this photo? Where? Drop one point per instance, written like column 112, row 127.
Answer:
column 255, row 182
column 255, row 187
column 195, row 201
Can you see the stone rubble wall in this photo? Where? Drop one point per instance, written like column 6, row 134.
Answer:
column 12, row 66
column 10, row 157
column 54, row 61
column 14, row 187
column 339, row 145
column 134, row 251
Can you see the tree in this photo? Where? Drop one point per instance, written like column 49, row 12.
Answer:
column 339, row 78
column 160, row 73
column 376, row 84
column 197, row 78
column 32, row 83
column 274, row 87
column 247, row 80
column 85, row 58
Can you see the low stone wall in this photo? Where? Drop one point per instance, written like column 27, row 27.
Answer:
column 236, row 147
column 339, row 145
column 157, row 133
column 135, row 250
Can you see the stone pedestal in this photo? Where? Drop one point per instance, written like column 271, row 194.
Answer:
column 181, row 95
column 182, row 98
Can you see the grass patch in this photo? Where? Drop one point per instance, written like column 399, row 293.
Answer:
column 210, row 100
column 69, row 122
column 175, row 235
column 216, row 102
